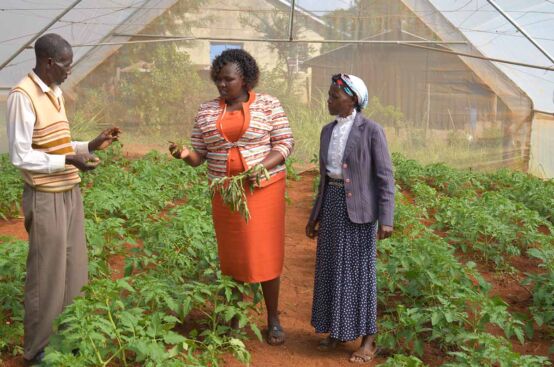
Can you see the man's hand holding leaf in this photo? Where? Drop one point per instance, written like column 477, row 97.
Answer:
column 105, row 139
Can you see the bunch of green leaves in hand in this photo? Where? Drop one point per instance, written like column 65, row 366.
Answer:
column 232, row 189
column 178, row 149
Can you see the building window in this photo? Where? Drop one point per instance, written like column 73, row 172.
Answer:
column 216, row 48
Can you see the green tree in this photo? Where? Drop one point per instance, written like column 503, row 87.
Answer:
column 277, row 26
column 152, row 87
column 168, row 95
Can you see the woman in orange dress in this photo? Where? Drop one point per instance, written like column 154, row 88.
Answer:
column 237, row 131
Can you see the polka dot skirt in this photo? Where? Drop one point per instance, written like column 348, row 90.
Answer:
column 345, row 287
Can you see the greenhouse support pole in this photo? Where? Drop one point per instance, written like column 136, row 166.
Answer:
column 428, row 109
column 39, row 34
column 509, row 18
column 447, row 51
column 291, row 24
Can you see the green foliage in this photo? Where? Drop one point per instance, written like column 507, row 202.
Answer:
column 292, row 173
column 482, row 349
column 386, row 115
column 399, row 360
column 494, row 216
column 543, row 302
column 173, row 307
column 435, row 291
column 11, row 188
column 105, row 326
column 12, row 278
column 157, row 97
column 232, row 190
column 134, row 320
column 533, row 192
column 172, row 281
column 491, row 224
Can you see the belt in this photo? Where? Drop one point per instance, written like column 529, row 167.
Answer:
column 335, row 182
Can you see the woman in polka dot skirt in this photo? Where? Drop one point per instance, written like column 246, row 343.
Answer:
column 356, row 191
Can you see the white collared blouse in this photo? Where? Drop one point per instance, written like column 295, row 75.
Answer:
column 341, row 131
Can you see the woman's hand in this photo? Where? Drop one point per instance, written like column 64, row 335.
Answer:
column 178, row 152
column 259, row 172
column 312, row 228
column 384, row 232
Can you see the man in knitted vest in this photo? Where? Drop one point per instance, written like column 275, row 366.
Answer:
column 40, row 146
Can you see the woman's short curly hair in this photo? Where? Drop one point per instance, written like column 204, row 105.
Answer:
column 247, row 66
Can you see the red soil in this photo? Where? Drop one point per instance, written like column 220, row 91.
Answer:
column 13, row 228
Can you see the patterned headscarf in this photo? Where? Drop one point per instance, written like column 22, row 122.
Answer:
column 352, row 85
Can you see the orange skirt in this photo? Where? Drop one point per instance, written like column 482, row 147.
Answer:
column 252, row 252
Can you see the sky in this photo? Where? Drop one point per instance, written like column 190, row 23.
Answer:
column 318, row 6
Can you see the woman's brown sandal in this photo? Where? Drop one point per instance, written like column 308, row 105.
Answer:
column 361, row 357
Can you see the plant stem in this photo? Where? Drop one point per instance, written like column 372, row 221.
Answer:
column 118, row 337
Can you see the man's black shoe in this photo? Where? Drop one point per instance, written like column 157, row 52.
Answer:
column 37, row 359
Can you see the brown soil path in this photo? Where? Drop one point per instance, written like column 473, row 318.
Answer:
column 13, row 228
column 300, row 349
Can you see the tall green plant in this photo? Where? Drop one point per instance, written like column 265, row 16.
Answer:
column 151, row 89
column 276, row 26
column 167, row 96
column 11, row 188
column 13, row 254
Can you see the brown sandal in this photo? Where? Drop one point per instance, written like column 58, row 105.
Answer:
column 360, row 357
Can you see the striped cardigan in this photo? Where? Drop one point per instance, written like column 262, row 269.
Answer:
column 266, row 129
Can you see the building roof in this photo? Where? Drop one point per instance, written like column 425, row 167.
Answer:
column 491, row 34
column 487, row 33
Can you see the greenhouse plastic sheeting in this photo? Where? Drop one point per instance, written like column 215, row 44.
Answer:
column 149, row 70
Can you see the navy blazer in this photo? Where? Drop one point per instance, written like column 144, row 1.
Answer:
column 366, row 170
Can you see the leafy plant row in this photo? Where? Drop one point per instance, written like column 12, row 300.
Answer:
column 532, row 192
column 171, row 309
column 489, row 224
column 11, row 185
column 121, row 195
column 427, row 296
column 477, row 212
column 13, row 254
column 172, row 306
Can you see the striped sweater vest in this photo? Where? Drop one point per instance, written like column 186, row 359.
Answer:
column 51, row 135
